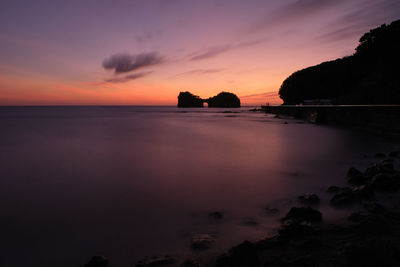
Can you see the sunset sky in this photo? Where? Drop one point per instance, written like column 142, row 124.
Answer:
column 144, row 52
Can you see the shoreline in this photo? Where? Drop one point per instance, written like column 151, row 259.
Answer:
column 369, row 237
column 377, row 119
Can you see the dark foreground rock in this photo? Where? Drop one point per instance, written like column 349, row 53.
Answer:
column 299, row 214
column 202, row 241
column 310, row 199
column 371, row 237
column 97, row 261
column 216, row 215
column 155, row 261
column 370, row 240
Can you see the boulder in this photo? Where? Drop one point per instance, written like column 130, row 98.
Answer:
column 162, row 260
column 190, row 263
column 355, row 177
column 357, row 217
column 248, row 221
column 97, row 261
column 333, row 189
column 345, row 197
column 243, row 255
column 202, row 241
column 372, row 254
column 300, row 214
column 395, row 154
column 311, row 199
column 363, row 192
column 290, row 228
column 271, row 211
column 374, row 207
column 386, row 166
column 217, row 215
column 380, row 155
column 348, row 196
column 383, row 182
column 371, row 171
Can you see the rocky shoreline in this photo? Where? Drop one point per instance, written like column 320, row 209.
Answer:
column 370, row 237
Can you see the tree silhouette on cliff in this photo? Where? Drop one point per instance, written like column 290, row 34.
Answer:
column 370, row 76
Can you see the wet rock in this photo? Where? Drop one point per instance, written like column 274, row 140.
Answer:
column 374, row 253
column 97, row 261
column 202, row 241
column 271, row 211
column 372, row 225
column 355, row 177
column 346, row 197
column 217, row 215
column 250, row 221
column 383, row 182
column 374, row 207
column 309, row 244
column 380, row 155
column 307, row 214
column 311, row 199
column 242, row 255
column 357, row 217
column 395, row 154
column 155, row 261
column 387, row 166
column 190, row 263
column 371, row 171
column 304, row 261
column 363, row 192
column 292, row 228
column 269, row 242
column 333, row 189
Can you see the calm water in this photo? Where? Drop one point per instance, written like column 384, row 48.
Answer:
column 130, row 182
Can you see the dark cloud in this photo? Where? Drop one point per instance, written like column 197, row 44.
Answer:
column 128, row 78
column 122, row 63
column 214, row 51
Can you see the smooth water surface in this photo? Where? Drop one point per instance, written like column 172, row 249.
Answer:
column 131, row 182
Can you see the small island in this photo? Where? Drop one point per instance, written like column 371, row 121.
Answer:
column 222, row 100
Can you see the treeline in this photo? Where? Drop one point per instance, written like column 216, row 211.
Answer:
column 370, row 76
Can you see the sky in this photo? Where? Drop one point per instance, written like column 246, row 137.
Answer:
column 144, row 52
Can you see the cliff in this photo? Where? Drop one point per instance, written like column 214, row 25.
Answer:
column 369, row 76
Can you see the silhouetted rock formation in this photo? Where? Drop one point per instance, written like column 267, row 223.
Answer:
column 188, row 100
column 224, row 100
column 367, row 77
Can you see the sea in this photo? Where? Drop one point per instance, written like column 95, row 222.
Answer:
column 130, row 182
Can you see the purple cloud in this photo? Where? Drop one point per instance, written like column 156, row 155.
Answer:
column 122, row 63
column 128, row 77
